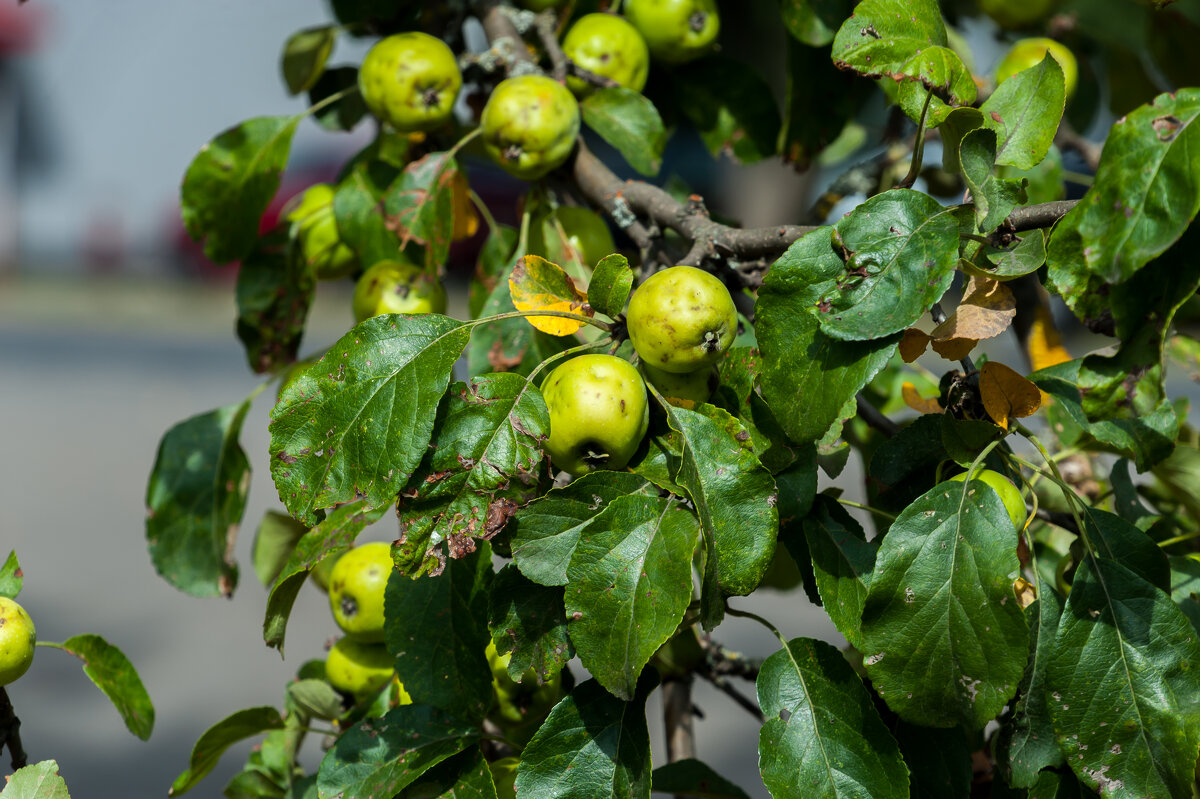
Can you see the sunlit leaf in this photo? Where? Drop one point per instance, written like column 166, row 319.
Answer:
column 535, row 284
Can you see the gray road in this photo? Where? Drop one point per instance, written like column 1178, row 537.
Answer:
column 92, row 375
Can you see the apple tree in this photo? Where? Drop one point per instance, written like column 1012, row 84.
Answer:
column 622, row 436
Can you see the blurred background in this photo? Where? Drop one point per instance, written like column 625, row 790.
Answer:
column 113, row 328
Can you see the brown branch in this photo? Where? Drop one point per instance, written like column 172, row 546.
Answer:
column 10, row 732
column 875, row 418
column 501, row 32
column 678, row 719
column 1032, row 217
column 546, row 25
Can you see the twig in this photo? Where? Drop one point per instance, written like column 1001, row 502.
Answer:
column 502, row 33
column 1059, row 519
column 10, row 732
column 1032, row 217
column 875, row 417
column 723, row 685
column 546, row 24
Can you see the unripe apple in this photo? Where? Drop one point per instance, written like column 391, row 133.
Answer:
column 410, row 81
column 682, row 320
column 1009, row 494
column 676, row 30
column 598, row 413
column 397, row 287
column 358, row 669
column 18, row 639
column 356, row 587
column 607, row 45
column 317, row 231
column 1029, row 53
column 530, row 124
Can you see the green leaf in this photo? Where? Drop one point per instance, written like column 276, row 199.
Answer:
column 39, row 781
column 358, row 209
column 904, row 40
column 814, row 82
column 304, row 56
column 11, row 577
column 1185, row 587
column 902, row 467
column 1025, row 111
column 1026, row 743
column 1118, row 540
column 1150, row 177
column 437, row 629
column 333, row 535
column 842, row 562
column 495, row 259
column 545, row 532
column 628, row 584
column 195, row 499
column 808, row 378
column 380, row 756
column 938, row 760
column 886, row 263
column 610, row 285
column 943, row 637
column 630, row 123
column 591, row 746
column 823, row 737
column 219, row 737
column 230, row 183
column 734, row 496
column 483, row 463
column 463, row 776
column 731, row 106
column 693, row 778
column 274, row 292
column 420, row 206
column 1124, row 691
column 814, row 22
column 315, row 698
column 274, row 542
column 994, row 197
column 1026, row 256
column 356, row 424
column 530, row 621
column 107, row 667
column 344, row 113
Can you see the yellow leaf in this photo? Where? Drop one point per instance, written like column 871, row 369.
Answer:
column 538, row 285
column 918, row 403
column 913, row 344
column 1006, row 394
column 1044, row 345
column 1025, row 591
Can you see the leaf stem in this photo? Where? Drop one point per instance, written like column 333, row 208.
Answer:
column 1179, row 539
column 605, row 326
column 484, row 211
column 868, row 508
column 1068, row 493
column 330, row 100
column 914, row 168
column 569, row 351
column 745, row 614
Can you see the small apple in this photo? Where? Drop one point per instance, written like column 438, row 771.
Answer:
column 315, row 228
column 356, row 587
column 676, row 30
column 682, row 320
column 607, row 45
column 410, row 81
column 1009, row 494
column 17, row 640
column 598, row 413
column 397, row 287
column 1029, row 53
column 683, row 390
column 359, row 669
column 530, row 124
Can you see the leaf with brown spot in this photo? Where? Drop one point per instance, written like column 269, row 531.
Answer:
column 538, row 285
column 913, row 344
column 420, row 206
column 918, row 403
column 987, row 310
column 1006, row 394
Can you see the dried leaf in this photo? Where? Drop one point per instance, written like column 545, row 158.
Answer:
column 913, row 344
column 1006, row 394
column 987, row 309
column 1025, row 591
column 954, row 349
column 1044, row 345
column 918, row 403
column 538, row 285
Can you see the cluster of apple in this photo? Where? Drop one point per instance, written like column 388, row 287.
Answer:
column 681, row 322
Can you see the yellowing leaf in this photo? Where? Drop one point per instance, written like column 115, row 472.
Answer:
column 913, row 344
column 987, row 309
column 1025, row 591
column 538, row 285
column 918, row 403
column 1006, row 394
column 1044, row 345
column 466, row 219
column 954, row 349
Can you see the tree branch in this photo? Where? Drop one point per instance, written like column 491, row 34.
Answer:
column 10, row 732
column 546, row 24
column 501, row 32
column 1032, row 217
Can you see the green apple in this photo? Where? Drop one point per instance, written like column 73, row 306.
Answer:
column 1029, row 53
column 607, row 45
column 504, row 775
column 315, row 227
column 356, row 587
column 321, row 573
column 359, row 669
column 1017, row 13
column 1009, row 494
column 530, row 124
column 598, row 413
column 682, row 320
column 585, row 236
column 676, row 30
column 397, row 287
column 682, row 389
column 410, row 81
column 18, row 640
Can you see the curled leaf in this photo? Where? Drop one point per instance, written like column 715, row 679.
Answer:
column 918, row 403
column 1006, row 394
column 538, row 285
